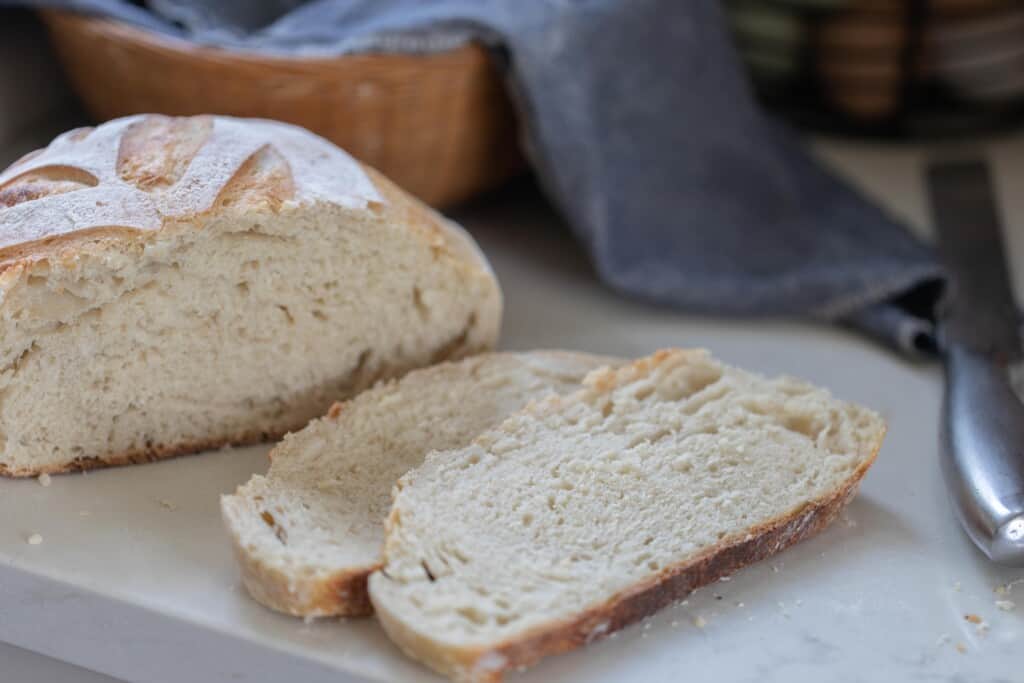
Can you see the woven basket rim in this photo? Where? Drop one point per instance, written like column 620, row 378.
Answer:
column 143, row 38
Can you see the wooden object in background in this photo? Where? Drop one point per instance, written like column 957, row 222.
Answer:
column 440, row 125
column 861, row 54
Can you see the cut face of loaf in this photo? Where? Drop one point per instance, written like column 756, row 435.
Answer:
column 583, row 513
column 308, row 534
column 169, row 285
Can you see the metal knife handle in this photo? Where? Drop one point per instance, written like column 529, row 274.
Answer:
column 983, row 453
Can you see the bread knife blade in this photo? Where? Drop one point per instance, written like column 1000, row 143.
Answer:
column 982, row 431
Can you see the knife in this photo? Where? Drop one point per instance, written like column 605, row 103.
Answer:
column 982, row 432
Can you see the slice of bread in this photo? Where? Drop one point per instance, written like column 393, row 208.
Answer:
column 174, row 284
column 308, row 534
column 583, row 513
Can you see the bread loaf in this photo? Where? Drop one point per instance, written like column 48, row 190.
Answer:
column 583, row 513
column 308, row 534
column 175, row 284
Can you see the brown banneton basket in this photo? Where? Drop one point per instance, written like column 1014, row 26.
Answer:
column 440, row 125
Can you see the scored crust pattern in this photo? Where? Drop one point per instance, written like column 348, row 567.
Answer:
column 140, row 171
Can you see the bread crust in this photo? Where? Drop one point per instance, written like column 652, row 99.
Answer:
column 487, row 665
column 138, row 161
column 154, row 453
column 142, row 174
column 340, row 594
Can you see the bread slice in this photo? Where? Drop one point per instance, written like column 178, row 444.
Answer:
column 309, row 533
column 173, row 284
column 583, row 513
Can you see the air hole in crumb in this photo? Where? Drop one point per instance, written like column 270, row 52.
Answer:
column 268, row 518
column 242, row 287
column 421, row 306
column 527, row 519
column 320, row 315
column 607, row 408
column 643, row 392
column 287, row 314
column 472, row 614
column 803, row 424
column 659, row 435
column 430, row 574
column 363, row 361
column 754, row 407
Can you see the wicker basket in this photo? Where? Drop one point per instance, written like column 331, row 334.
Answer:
column 439, row 125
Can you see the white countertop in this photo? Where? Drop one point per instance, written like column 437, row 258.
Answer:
column 882, row 595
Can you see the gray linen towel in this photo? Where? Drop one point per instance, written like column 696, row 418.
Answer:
column 643, row 130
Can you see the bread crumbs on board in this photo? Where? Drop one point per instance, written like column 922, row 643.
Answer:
column 34, row 539
column 44, row 479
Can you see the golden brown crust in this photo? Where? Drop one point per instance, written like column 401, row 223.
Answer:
column 154, row 453
column 643, row 600
column 141, row 174
column 407, row 210
column 168, row 172
column 44, row 182
column 156, row 150
column 342, row 594
column 334, row 412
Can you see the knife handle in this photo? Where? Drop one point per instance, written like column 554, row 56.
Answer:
column 983, row 453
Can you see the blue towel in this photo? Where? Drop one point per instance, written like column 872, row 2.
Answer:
column 643, row 130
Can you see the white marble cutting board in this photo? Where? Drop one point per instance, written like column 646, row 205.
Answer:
column 134, row 577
